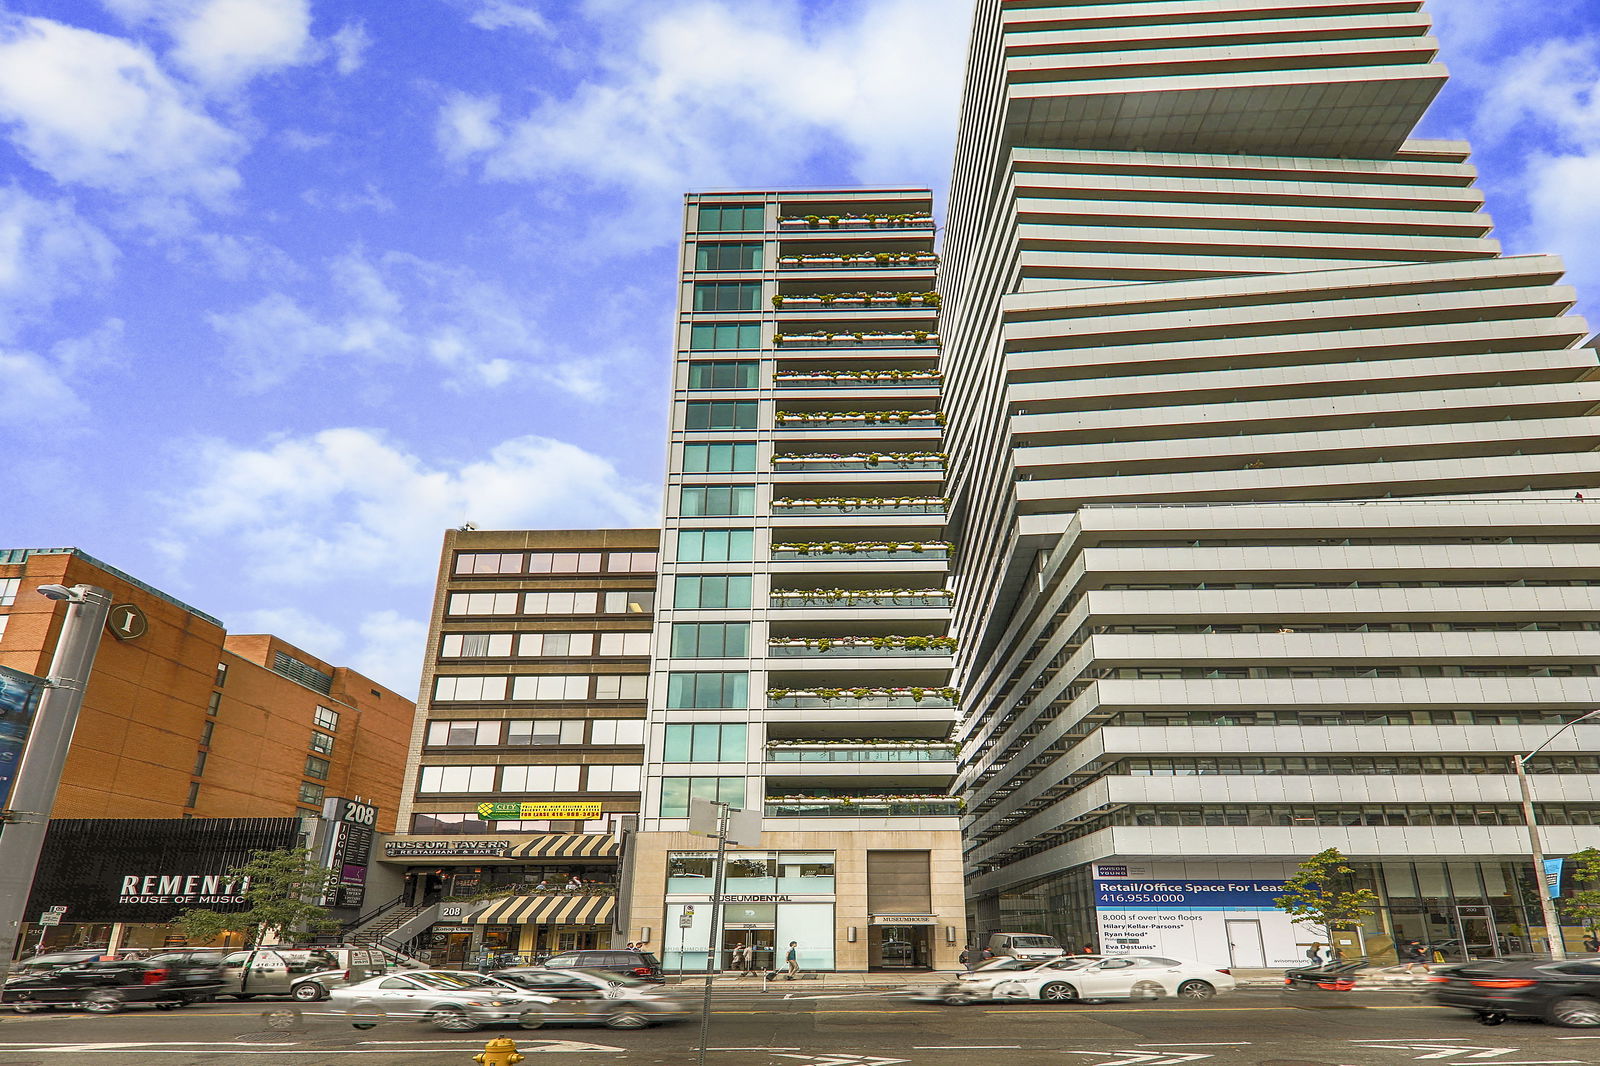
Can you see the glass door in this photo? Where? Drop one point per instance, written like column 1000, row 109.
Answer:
column 1478, row 940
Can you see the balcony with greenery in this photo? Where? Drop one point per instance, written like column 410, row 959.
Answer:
column 860, row 751
column 853, row 379
column 869, row 338
column 861, row 598
column 866, row 697
column 876, row 806
column 864, row 505
column 852, row 221
column 856, row 301
column 860, row 647
column 875, row 419
column 817, row 462
column 865, row 550
column 855, row 258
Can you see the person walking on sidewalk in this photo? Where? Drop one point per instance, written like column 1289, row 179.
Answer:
column 793, row 959
column 739, row 960
column 1413, row 953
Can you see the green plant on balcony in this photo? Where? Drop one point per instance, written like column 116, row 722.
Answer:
column 863, row 692
column 870, row 458
column 919, row 335
column 847, row 502
column 855, row 595
column 777, row 299
column 916, row 643
column 851, row 547
column 864, row 416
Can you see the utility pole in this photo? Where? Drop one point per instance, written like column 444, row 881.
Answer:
column 725, row 822
column 39, row 770
column 1547, row 906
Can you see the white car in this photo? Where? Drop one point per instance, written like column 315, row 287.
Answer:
column 1082, row 977
column 450, row 1002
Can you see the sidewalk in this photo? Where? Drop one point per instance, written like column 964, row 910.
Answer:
column 1387, row 978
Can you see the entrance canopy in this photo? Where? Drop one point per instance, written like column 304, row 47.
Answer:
column 547, row 910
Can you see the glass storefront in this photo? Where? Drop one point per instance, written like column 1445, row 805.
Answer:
column 765, row 925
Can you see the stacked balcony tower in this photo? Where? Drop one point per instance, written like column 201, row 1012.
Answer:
column 802, row 656
column 1265, row 477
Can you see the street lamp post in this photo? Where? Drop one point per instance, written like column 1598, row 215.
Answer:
column 39, row 769
column 1547, row 906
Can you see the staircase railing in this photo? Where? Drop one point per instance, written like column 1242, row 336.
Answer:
column 357, row 922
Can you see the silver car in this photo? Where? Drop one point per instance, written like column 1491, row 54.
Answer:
column 453, row 1002
column 594, row 997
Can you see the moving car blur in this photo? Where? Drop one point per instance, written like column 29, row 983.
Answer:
column 1074, row 978
column 594, row 997
column 1563, row 993
column 105, row 986
column 457, row 1003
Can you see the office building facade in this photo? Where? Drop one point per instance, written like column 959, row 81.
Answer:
column 802, row 656
column 1266, row 476
column 533, row 691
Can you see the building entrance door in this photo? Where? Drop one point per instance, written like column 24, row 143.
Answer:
column 1246, row 949
column 899, row 947
column 759, row 944
column 1478, row 938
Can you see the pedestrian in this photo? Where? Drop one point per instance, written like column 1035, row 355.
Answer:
column 1413, row 954
column 737, row 962
column 966, row 957
column 793, row 959
column 1315, row 956
column 1578, row 497
column 1591, row 942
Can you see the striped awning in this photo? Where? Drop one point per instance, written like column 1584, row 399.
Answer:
column 563, row 909
column 567, row 846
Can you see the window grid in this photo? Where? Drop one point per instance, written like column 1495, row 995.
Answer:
column 711, row 591
column 716, row 545
column 718, row 501
column 725, row 336
column 724, row 375
column 719, row 458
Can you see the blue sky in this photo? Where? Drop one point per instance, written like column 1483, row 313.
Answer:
column 289, row 286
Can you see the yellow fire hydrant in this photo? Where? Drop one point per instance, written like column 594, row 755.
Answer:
column 501, row 1051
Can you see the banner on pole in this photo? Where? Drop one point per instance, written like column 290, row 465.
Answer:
column 1552, row 876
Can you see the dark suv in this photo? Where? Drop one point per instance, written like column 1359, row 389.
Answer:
column 106, row 987
column 639, row 964
column 1566, row 993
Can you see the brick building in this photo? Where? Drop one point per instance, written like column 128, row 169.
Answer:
column 184, row 720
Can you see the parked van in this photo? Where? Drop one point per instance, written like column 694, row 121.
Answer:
column 303, row 973
column 1033, row 946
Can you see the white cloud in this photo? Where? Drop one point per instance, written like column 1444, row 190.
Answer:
column 391, row 649
column 349, row 47
column 95, row 110
column 306, row 631
column 350, row 506
column 384, row 645
column 36, row 399
column 47, row 251
column 504, row 15
column 659, row 115
column 368, row 198
column 224, row 43
column 398, row 309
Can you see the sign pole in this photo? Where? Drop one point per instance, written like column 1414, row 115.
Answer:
column 712, row 938
column 39, row 771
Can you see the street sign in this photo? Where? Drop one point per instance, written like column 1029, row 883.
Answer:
column 50, row 918
column 584, row 812
column 685, row 921
column 705, row 817
column 60, row 908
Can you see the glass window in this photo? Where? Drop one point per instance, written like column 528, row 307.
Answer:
column 705, row 742
column 625, row 644
column 468, row 688
column 711, row 591
column 727, row 255
column 707, row 689
column 619, row 687
column 539, row 778
column 566, row 687
column 211, row 727
column 731, row 218
column 720, row 414
column 719, row 375
column 725, row 336
column 616, row 731
column 718, row 501
column 319, row 741
column 474, row 645
column 710, row 640
column 727, row 295
column 488, row 563
column 625, row 777
column 200, row 765
column 675, row 793
column 716, row 546
column 472, row 603
column 456, row 779
column 555, row 645
column 194, row 794
column 8, row 590
column 310, row 793
column 805, row 871
column 631, row 562
column 561, row 602
column 564, row 563
column 811, row 926
column 635, row 601
column 222, row 675
column 317, row 768
column 215, row 702
column 326, row 718
column 719, row 458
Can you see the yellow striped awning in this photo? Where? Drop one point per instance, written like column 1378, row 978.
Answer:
column 567, row 846
column 574, row 909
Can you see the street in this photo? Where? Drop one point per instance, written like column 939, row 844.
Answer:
column 1251, row 1028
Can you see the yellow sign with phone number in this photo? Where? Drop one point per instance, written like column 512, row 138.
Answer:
column 500, row 811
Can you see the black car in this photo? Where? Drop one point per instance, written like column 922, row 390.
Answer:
column 640, row 964
column 106, row 987
column 1565, row 993
column 1327, row 977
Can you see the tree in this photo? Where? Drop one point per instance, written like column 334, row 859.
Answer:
column 1322, row 894
column 281, row 898
column 1583, row 906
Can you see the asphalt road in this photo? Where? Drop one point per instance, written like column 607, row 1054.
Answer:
column 836, row 1029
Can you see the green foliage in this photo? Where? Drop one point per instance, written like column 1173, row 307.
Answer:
column 1583, row 906
column 1321, row 894
column 281, row 900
